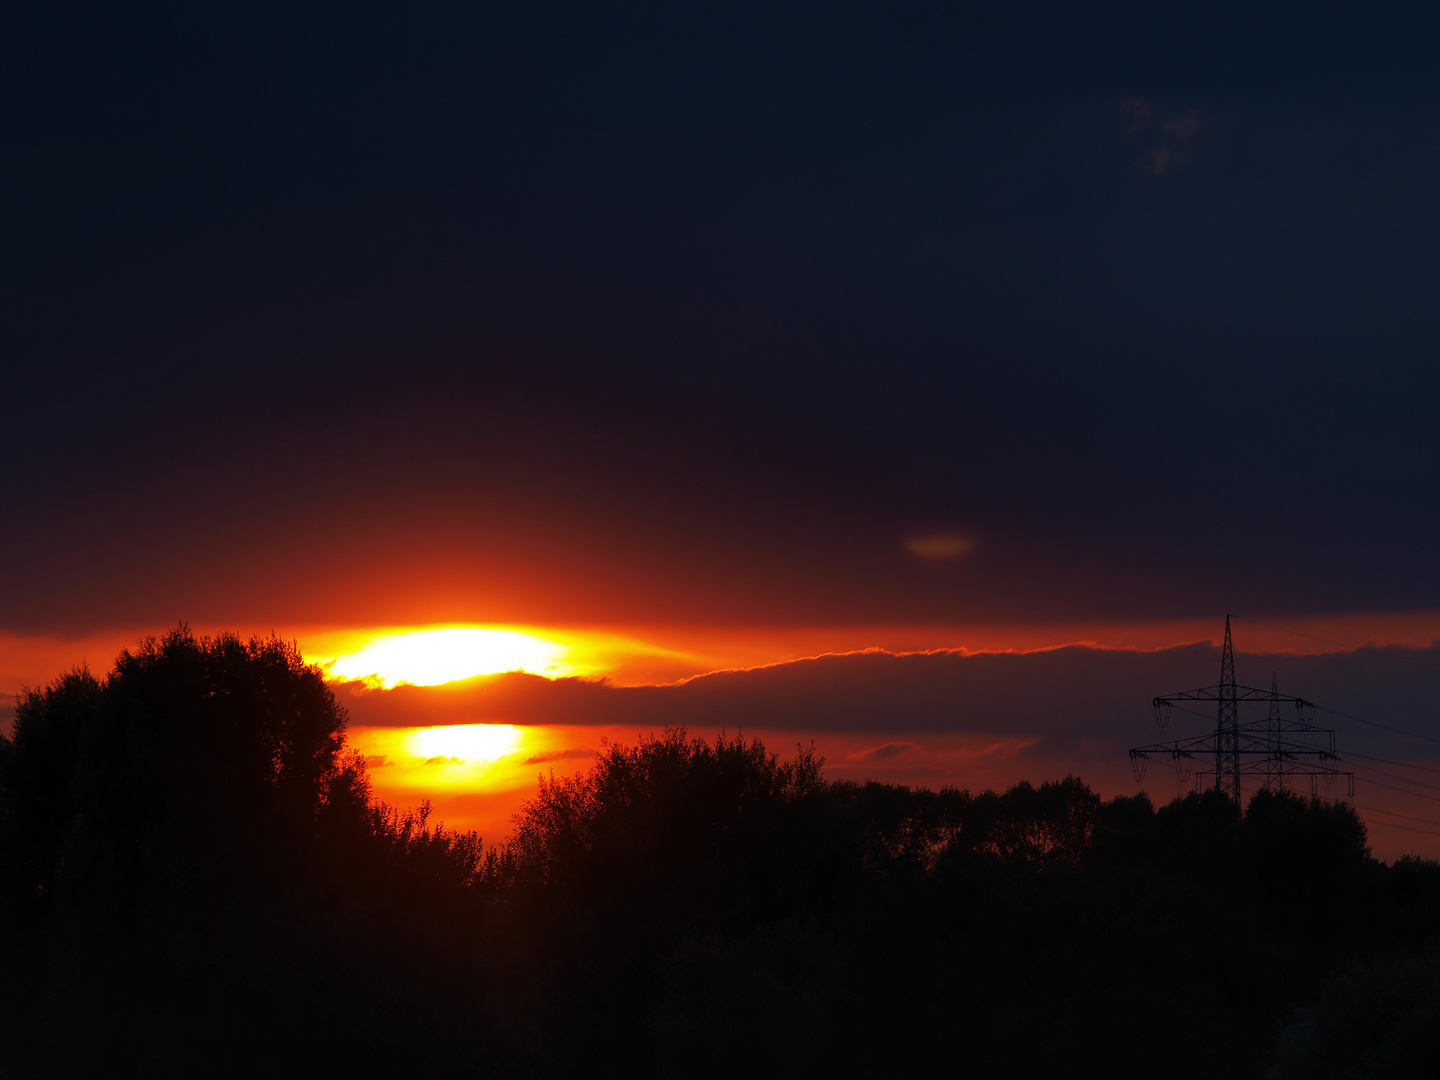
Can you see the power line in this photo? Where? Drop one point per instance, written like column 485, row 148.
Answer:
column 1343, row 644
column 1287, row 749
column 1192, row 712
column 1363, row 769
column 1407, row 828
column 1393, row 761
column 1392, row 787
column 1376, row 723
column 1392, row 813
column 1356, row 719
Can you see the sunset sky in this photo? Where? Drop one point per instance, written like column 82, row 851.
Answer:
column 925, row 380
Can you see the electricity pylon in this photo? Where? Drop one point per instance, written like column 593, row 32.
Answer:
column 1277, row 748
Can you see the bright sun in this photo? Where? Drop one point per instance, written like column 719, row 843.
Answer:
column 430, row 657
column 464, row 743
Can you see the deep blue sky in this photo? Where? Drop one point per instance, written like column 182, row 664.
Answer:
column 545, row 312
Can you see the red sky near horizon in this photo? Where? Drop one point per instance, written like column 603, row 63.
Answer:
column 478, row 774
column 726, row 367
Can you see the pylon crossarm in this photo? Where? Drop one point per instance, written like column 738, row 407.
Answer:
column 1285, row 725
column 1228, row 693
column 1187, row 747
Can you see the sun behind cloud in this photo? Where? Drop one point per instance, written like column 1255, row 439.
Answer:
column 428, row 657
column 464, row 743
column 387, row 656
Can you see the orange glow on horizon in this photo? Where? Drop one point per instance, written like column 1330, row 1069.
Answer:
column 649, row 655
column 641, row 655
column 432, row 655
column 478, row 776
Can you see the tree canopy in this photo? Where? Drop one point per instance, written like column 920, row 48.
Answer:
column 196, row 877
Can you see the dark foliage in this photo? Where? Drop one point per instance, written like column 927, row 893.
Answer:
column 195, row 878
column 193, row 871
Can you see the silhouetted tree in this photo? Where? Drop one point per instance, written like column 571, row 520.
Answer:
column 196, row 877
column 1376, row 1020
column 184, row 846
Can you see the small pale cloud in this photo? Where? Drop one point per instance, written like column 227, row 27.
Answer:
column 559, row 755
column 888, row 752
column 1139, row 111
column 940, row 545
column 1182, row 127
column 1159, row 161
column 1165, row 130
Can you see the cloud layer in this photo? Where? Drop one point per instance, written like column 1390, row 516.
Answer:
column 1069, row 698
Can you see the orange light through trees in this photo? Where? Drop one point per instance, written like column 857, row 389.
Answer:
column 469, row 761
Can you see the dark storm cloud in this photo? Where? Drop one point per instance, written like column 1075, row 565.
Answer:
column 703, row 313
column 1073, row 699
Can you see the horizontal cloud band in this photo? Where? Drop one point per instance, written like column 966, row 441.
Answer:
column 1067, row 696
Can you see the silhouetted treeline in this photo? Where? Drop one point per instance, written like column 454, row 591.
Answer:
column 195, row 879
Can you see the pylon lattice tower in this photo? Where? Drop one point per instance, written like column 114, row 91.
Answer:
column 1277, row 748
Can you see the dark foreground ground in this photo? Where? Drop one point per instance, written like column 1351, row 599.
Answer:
column 195, row 880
